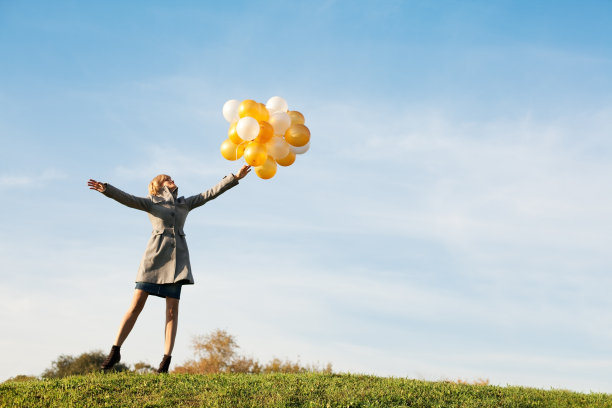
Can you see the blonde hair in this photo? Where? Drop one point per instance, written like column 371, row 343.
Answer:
column 156, row 184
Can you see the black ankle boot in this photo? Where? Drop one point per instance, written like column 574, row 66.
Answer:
column 165, row 364
column 113, row 358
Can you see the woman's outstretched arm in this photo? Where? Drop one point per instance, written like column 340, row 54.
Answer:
column 212, row 193
column 139, row 203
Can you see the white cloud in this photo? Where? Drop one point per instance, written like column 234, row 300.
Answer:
column 11, row 180
column 525, row 182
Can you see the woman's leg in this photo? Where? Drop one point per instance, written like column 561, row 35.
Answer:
column 138, row 302
column 172, row 309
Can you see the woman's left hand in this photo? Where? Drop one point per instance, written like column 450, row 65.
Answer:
column 243, row 171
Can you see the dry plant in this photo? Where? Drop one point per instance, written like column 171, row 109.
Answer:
column 217, row 353
column 479, row 381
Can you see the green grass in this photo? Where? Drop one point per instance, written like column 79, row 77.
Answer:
column 277, row 390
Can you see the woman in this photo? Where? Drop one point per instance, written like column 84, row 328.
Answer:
column 165, row 265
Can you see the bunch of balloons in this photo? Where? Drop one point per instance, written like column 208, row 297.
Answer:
column 265, row 135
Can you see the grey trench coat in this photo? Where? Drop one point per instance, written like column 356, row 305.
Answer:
column 166, row 259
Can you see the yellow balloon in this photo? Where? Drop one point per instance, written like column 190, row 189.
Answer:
column 233, row 135
column 287, row 160
column 263, row 114
column 266, row 131
column 296, row 117
column 266, row 170
column 248, row 107
column 232, row 151
column 297, row 135
column 255, row 154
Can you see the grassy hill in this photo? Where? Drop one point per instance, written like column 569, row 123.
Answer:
column 277, row 390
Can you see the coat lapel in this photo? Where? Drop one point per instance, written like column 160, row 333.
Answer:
column 166, row 196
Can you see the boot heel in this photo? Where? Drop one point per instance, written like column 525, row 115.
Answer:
column 165, row 364
column 113, row 358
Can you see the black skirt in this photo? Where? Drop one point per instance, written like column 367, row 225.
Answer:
column 172, row 290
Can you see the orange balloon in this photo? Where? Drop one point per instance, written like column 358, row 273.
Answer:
column 233, row 135
column 248, row 107
column 266, row 170
column 296, row 117
column 232, row 151
column 287, row 160
column 297, row 135
column 266, row 131
column 263, row 113
column 255, row 154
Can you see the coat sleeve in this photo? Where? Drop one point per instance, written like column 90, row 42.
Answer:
column 197, row 200
column 139, row 203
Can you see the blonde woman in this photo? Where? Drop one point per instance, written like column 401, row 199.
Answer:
column 165, row 267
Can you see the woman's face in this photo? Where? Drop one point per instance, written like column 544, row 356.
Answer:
column 170, row 184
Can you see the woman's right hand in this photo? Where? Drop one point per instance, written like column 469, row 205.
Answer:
column 96, row 185
column 243, row 171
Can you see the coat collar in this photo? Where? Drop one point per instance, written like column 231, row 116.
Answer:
column 165, row 195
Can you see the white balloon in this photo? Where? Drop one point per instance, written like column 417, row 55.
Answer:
column 301, row 149
column 247, row 128
column 230, row 110
column 280, row 121
column 278, row 148
column 277, row 104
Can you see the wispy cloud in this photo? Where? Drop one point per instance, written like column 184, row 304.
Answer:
column 499, row 180
column 12, row 180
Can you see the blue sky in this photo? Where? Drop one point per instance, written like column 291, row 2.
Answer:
column 451, row 220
